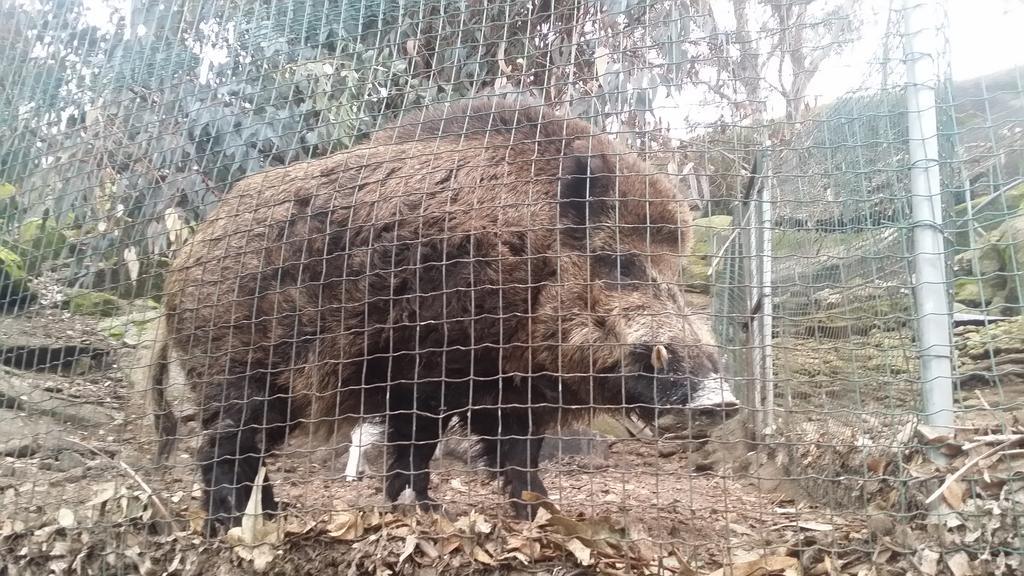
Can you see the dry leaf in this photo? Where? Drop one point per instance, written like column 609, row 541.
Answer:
column 882, row 555
column 450, row 544
column 261, row 557
column 522, row 558
column 481, row 555
column 541, row 501
column 769, row 566
column 371, row 519
column 444, row 526
column 256, row 534
column 428, row 549
column 928, row 562
column 580, row 551
column 830, row 565
column 481, row 524
column 877, row 465
column 131, row 260
column 9, row 527
column 954, row 494
column 473, row 524
column 104, row 492
column 524, row 546
column 196, row 521
column 297, row 527
column 408, row 549
column 566, row 526
column 959, row 564
column 345, row 525
column 677, row 566
column 542, row 517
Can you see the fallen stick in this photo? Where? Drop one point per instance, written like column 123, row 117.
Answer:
column 970, row 463
column 989, row 439
column 162, row 514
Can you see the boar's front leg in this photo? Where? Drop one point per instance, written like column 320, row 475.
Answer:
column 412, row 439
column 242, row 422
column 510, row 440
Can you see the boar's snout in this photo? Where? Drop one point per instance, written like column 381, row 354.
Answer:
column 712, row 396
column 687, row 385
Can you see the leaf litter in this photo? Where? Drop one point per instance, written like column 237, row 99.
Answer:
column 113, row 515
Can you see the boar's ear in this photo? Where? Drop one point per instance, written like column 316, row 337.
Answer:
column 585, row 182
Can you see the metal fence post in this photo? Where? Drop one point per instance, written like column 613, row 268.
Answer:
column 934, row 314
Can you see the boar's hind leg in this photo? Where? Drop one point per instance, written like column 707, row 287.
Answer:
column 510, row 446
column 242, row 422
column 412, row 440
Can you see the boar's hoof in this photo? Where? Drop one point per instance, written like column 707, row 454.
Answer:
column 409, row 501
column 526, row 510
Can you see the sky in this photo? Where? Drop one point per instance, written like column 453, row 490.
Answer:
column 977, row 37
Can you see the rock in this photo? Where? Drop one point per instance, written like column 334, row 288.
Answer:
column 986, row 212
column 1009, row 239
column 967, row 291
column 130, row 328
column 15, row 292
column 67, row 461
column 695, row 277
column 881, row 525
column 1000, row 258
column 40, row 241
column 996, row 348
column 95, row 304
column 990, row 261
column 705, row 230
column 28, row 394
column 841, row 313
column 22, row 436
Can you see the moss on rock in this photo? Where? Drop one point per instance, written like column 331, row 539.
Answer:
column 15, row 292
column 95, row 304
column 695, row 276
column 40, row 241
column 704, row 230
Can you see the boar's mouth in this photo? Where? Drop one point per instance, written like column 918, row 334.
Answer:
column 669, row 397
column 688, row 404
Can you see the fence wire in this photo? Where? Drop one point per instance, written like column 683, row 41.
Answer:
column 319, row 284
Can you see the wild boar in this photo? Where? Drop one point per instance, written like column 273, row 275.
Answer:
column 487, row 259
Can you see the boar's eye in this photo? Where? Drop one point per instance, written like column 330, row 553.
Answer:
column 623, row 268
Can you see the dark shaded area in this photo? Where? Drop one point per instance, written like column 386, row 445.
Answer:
column 61, row 360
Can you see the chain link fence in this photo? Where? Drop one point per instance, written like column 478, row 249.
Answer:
column 229, row 285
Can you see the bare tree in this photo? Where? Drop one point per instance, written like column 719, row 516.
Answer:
column 790, row 38
column 805, row 41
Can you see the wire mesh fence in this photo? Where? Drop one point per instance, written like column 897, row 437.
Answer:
column 596, row 286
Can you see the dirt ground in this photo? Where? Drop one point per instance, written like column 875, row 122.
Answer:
column 80, row 495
